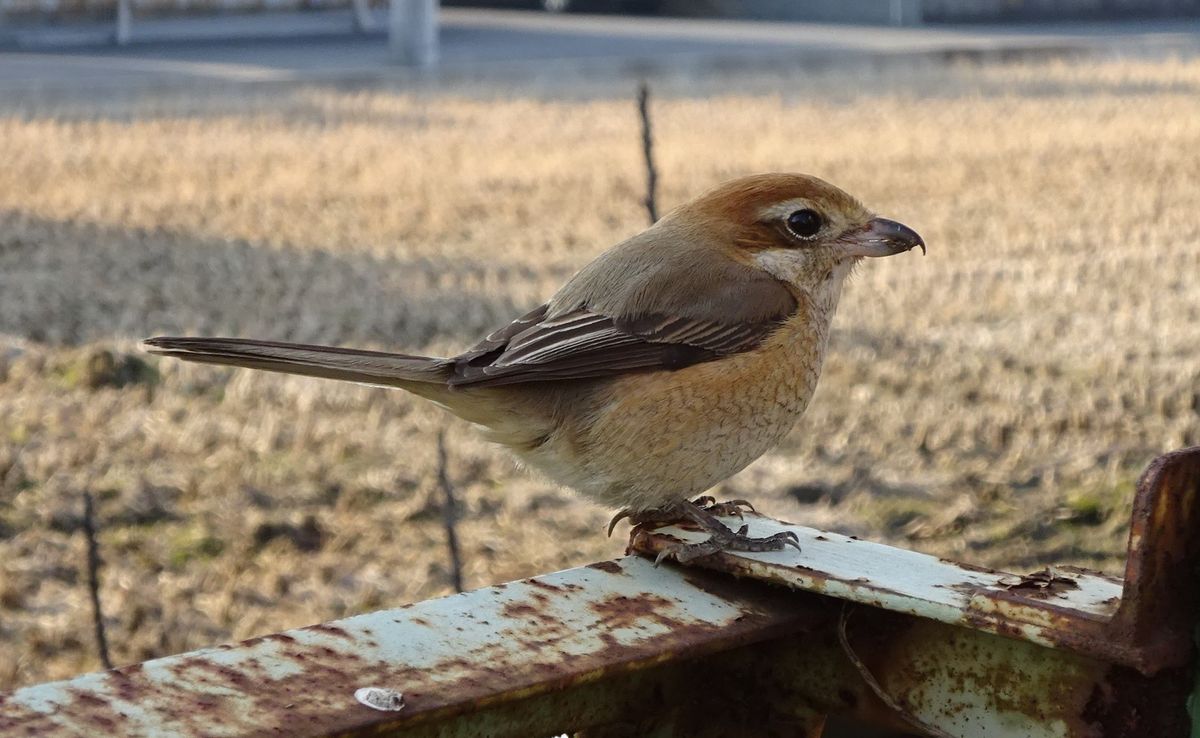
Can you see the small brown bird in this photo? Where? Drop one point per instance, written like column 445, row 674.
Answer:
column 666, row 365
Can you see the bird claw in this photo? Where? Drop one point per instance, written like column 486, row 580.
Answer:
column 724, row 539
column 731, row 508
column 660, row 515
column 685, row 552
column 618, row 518
column 731, row 541
column 703, row 511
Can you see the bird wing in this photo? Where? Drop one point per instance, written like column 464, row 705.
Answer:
column 584, row 343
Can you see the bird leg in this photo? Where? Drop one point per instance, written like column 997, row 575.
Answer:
column 703, row 512
column 722, row 538
column 730, row 508
column 673, row 513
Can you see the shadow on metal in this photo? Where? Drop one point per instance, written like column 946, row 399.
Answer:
column 621, row 648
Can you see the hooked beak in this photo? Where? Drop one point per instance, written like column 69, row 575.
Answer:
column 881, row 237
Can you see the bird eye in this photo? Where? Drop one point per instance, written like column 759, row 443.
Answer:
column 804, row 223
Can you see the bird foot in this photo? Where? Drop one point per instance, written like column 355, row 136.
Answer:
column 677, row 512
column 727, row 541
column 660, row 515
column 703, row 512
column 730, row 508
column 722, row 538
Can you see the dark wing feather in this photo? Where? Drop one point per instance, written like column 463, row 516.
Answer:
column 500, row 338
column 664, row 299
column 584, row 344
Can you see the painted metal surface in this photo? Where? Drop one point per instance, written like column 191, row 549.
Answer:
column 910, row 582
column 623, row 648
column 1036, row 608
column 971, row 684
column 1145, row 621
column 502, row 643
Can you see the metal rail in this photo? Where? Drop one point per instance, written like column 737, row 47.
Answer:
column 621, row 648
column 412, row 28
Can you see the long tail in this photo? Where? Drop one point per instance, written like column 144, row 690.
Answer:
column 351, row 365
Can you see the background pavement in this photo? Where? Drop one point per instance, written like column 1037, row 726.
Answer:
column 316, row 47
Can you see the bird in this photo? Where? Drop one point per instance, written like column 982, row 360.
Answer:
column 661, row 368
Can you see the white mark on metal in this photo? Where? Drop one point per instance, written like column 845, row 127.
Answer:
column 380, row 698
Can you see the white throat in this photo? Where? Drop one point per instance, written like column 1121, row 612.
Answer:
column 793, row 267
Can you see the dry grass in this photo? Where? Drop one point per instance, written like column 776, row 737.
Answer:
column 992, row 401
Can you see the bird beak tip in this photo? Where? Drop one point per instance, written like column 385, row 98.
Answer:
column 883, row 237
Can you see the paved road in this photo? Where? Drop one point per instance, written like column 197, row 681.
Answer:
column 321, row 46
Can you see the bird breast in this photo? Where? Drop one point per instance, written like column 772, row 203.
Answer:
column 646, row 440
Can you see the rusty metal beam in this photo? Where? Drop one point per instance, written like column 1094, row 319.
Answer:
column 1146, row 621
column 513, row 659
column 1117, row 657
column 622, row 648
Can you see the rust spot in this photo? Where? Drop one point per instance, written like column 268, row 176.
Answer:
column 539, row 598
column 1042, row 583
column 94, row 709
column 544, row 585
column 1129, row 705
column 105, row 722
column 519, row 610
column 250, row 642
column 622, row 611
column 88, row 699
column 619, row 611
column 611, row 567
column 122, row 684
column 820, row 538
column 183, row 670
column 328, row 629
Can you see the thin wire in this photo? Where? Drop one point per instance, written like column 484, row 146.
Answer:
column 877, row 688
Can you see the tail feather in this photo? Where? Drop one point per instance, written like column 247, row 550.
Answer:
column 350, row 365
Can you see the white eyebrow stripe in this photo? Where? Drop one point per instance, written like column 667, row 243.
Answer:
column 785, row 208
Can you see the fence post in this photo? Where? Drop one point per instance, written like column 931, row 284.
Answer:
column 124, row 22
column 413, row 32
column 363, row 22
column 906, row 13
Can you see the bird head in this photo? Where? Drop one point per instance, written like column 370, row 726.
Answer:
column 800, row 229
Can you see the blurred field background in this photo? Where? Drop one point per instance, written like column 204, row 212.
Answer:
column 993, row 401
